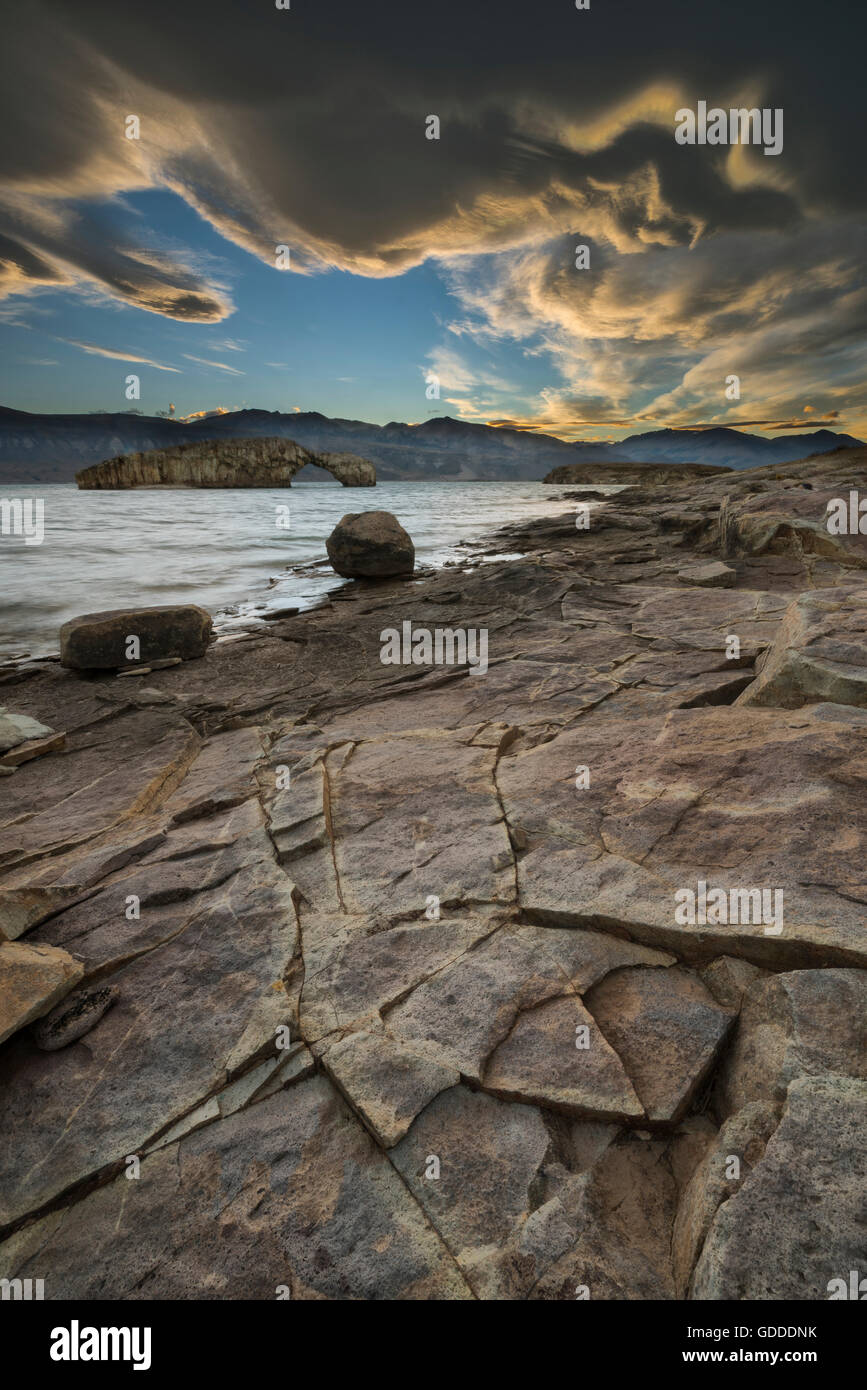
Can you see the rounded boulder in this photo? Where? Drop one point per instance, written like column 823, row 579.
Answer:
column 370, row 545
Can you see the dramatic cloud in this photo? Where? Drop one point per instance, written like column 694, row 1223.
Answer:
column 306, row 128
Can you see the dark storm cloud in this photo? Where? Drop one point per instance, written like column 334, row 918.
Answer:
column 306, row 127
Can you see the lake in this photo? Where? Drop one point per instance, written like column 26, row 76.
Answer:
column 234, row 551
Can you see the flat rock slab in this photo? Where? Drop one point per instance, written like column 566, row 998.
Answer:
column 666, row 1029
column 391, row 852
column 469, row 1008
column 101, row 641
column 18, row 728
column 712, row 576
column 735, row 799
column 664, row 616
column 557, row 1056
column 798, row 1221
column 387, row 1082
column 352, row 969
column 190, row 1015
column 110, row 773
column 290, row 1194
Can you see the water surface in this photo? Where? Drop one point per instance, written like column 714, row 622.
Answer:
column 226, row 549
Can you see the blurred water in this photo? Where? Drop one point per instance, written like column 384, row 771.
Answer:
column 220, row 548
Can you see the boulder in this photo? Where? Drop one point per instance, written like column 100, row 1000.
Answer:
column 98, row 641
column 370, row 545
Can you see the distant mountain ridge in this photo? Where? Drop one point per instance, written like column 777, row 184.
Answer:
column 52, row 448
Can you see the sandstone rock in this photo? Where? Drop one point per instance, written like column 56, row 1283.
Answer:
column 285, row 927
column 86, row 812
column 353, row 970
column 678, row 800
column 540, row 1061
column 469, row 1008
column 32, row 748
column 297, row 1197
column 16, row 729
column 666, row 1029
column 489, row 1157
column 389, row 853
column 819, row 653
column 387, row 1082
column 788, row 521
column 190, row 1015
column 98, row 641
column 712, row 576
column 370, row 545
column 32, row 979
column 533, row 1205
column 224, row 463
column 798, row 1220
column 734, row 1154
column 806, row 1022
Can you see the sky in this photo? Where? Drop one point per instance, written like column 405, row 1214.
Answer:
column 435, row 276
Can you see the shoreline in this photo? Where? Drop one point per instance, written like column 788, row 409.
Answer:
column 252, row 609
column 379, row 908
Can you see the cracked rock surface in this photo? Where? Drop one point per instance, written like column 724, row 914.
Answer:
column 539, row 984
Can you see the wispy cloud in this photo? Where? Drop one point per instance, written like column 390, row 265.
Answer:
column 221, row 366
column 119, row 356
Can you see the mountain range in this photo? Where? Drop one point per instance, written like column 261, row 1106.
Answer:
column 52, row 448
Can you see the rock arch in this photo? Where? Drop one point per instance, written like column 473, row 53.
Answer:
column 224, row 463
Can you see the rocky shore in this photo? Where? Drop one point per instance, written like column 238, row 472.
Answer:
column 353, row 981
